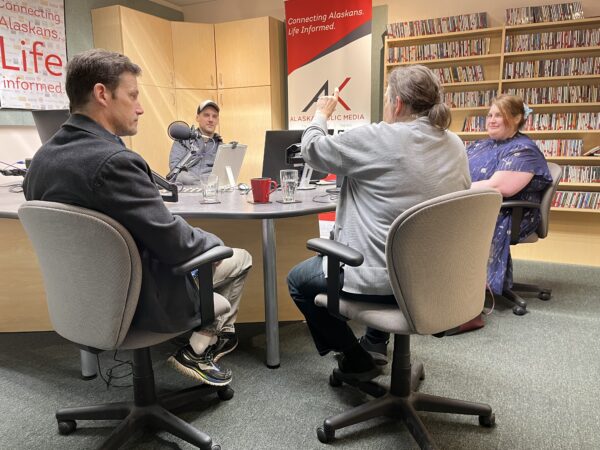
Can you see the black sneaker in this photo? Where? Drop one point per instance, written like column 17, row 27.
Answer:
column 200, row 367
column 377, row 351
column 226, row 343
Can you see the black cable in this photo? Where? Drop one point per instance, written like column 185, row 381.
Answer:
column 109, row 372
column 10, row 165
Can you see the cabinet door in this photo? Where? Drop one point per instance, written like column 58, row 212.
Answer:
column 243, row 53
column 188, row 100
column 152, row 141
column 147, row 42
column 194, row 55
column 245, row 116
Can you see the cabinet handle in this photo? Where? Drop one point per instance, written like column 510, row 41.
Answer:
column 212, row 80
column 221, row 79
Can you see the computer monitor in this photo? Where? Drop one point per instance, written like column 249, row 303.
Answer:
column 276, row 144
column 228, row 163
column 49, row 121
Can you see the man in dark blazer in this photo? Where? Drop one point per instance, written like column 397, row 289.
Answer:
column 87, row 164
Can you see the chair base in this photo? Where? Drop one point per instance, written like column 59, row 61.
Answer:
column 147, row 410
column 520, row 305
column 402, row 402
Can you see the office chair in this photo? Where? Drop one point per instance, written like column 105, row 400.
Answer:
column 517, row 207
column 92, row 275
column 436, row 256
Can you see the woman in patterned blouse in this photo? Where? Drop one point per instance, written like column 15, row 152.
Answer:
column 511, row 163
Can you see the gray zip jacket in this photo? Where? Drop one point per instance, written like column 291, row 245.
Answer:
column 388, row 168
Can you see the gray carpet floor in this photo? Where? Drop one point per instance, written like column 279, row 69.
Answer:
column 540, row 372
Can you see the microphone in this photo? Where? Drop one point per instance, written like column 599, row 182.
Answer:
column 181, row 131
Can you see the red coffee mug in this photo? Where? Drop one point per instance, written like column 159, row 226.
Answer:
column 261, row 189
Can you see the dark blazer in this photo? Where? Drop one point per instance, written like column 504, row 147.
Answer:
column 83, row 164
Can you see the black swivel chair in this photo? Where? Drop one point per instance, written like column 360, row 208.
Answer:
column 436, row 256
column 541, row 232
column 92, row 275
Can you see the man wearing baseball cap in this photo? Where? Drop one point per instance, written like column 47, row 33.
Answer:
column 206, row 145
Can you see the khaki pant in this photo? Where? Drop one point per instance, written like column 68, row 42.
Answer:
column 228, row 280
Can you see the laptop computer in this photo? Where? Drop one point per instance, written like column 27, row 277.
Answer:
column 49, row 121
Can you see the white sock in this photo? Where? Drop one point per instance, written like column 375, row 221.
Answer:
column 200, row 341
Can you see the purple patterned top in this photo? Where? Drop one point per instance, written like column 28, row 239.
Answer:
column 516, row 154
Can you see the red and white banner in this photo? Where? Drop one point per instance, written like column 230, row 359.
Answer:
column 329, row 46
column 33, row 54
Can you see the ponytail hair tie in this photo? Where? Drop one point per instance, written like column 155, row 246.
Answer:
column 527, row 110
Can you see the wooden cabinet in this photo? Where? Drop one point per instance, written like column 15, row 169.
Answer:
column 194, row 55
column 151, row 140
column 246, row 50
column 144, row 38
column 245, row 115
column 250, row 80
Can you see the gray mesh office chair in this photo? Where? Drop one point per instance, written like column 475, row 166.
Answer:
column 541, row 232
column 436, row 255
column 92, row 275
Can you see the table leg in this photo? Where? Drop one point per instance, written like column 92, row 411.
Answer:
column 89, row 365
column 270, row 287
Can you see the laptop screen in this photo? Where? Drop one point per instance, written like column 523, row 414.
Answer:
column 49, row 121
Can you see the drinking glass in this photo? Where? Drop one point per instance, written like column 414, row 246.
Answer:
column 210, row 188
column 289, row 183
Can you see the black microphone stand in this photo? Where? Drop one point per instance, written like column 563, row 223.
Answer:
column 182, row 164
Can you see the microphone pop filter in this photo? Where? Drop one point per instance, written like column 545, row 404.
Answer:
column 179, row 131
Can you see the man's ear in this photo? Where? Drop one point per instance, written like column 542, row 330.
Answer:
column 398, row 105
column 101, row 94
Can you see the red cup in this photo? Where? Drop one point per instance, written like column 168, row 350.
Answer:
column 262, row 188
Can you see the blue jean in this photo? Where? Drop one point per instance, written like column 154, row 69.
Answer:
column 305, row 281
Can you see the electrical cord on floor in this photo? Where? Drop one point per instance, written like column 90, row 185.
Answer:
column 110, row 372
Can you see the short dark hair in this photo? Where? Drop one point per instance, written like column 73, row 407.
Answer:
column 94, row 66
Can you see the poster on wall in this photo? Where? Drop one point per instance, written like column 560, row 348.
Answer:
column 329, row 46
column 32, row 54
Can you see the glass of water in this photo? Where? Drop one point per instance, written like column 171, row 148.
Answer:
column 209, row 183
column 289, row 183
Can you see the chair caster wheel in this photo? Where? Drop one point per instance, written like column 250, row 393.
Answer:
column 334, row 381
column 519, row 311
column 545, row 295
column 66, row 426
column 216, row 447
column 487, row 421
column 324, row 436
column 225, row 394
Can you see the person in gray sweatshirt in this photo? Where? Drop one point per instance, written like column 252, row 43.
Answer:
column 387, row 167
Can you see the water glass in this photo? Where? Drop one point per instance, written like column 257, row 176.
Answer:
column 209, row 184
column 289, row 183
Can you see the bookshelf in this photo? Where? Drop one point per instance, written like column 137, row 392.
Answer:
column 554, row 65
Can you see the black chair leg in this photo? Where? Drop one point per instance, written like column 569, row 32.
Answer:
column 432, row 403
column 520, row 305
column 402, row 402
column 542, row 293
column 147, row 410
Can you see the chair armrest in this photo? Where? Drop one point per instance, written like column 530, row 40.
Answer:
column 335, row 253
column 517, row 207
column 341, row 252
column 519, row 204
column 213, row 255
column 204, row 264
